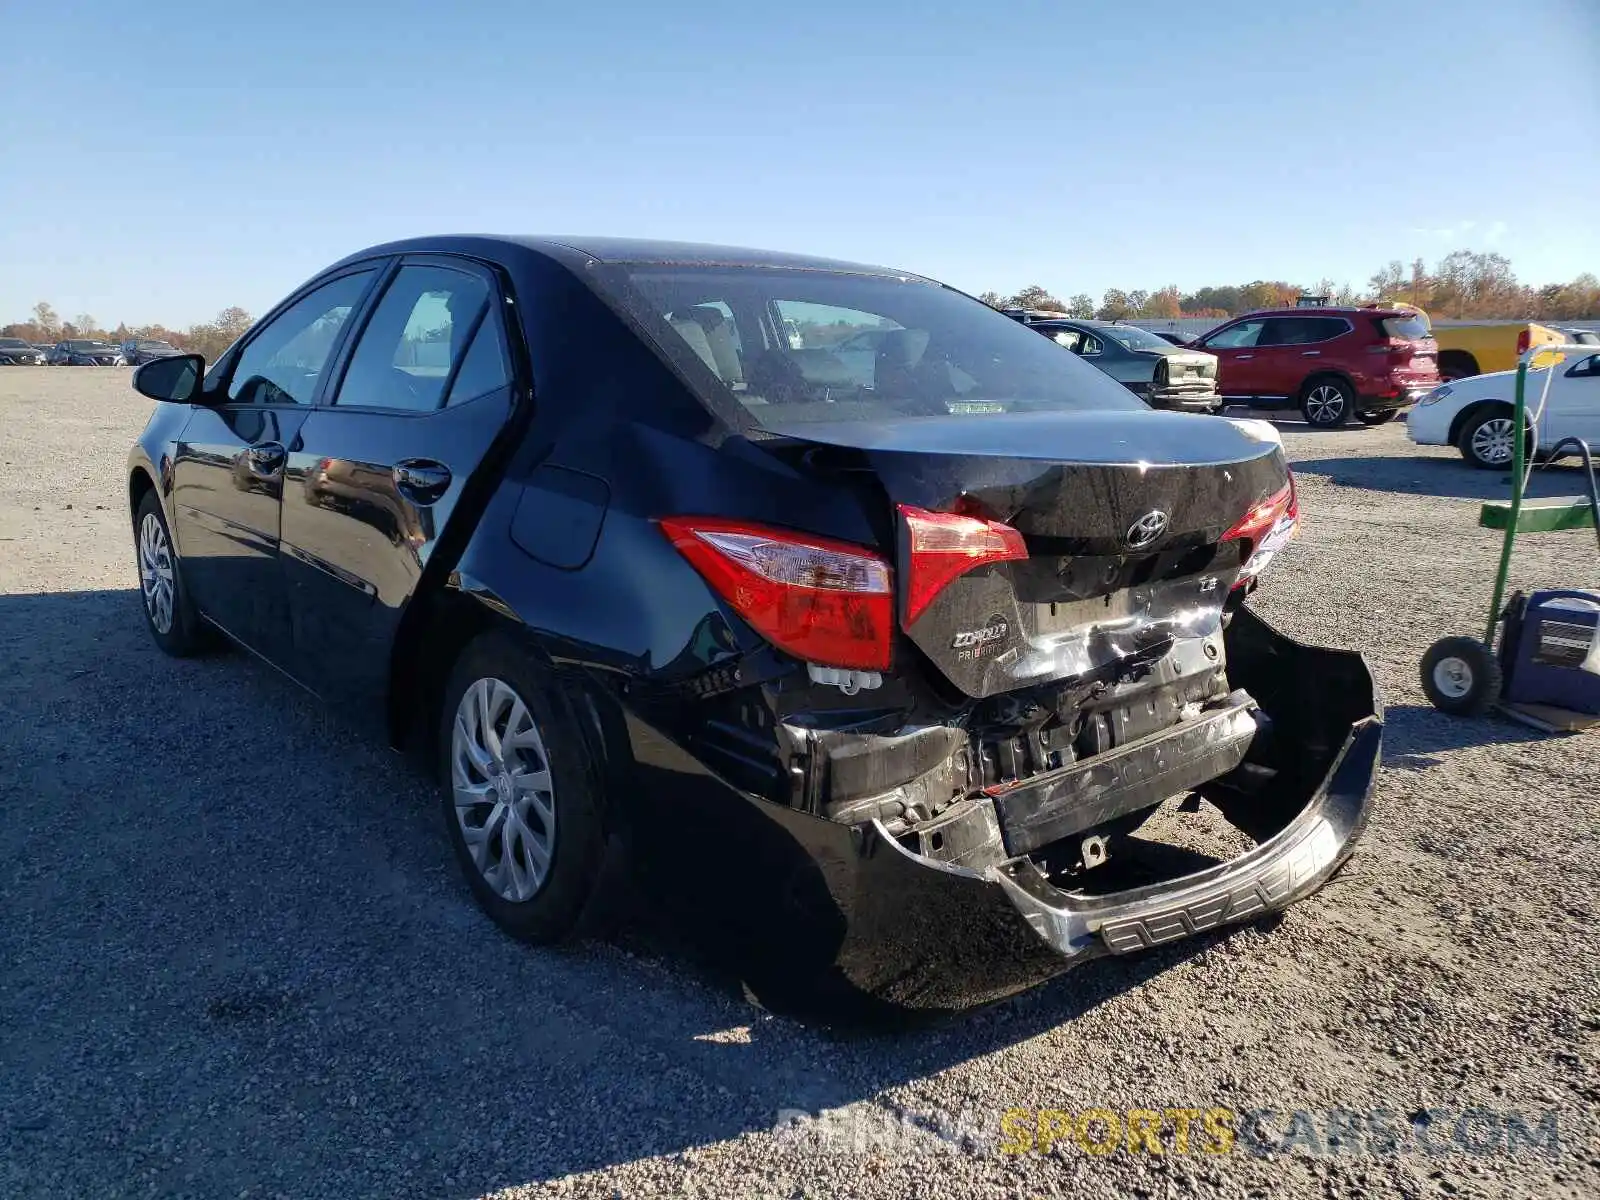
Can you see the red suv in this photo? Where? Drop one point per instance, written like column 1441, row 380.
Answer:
column 1331, row 362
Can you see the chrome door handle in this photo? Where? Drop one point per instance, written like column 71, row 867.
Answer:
column 267, row 458
column 421, row 479
column 1243, row 357
column 1311, row 354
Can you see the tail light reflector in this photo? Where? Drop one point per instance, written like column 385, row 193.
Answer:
column 1265, row 529
column 824, row 601
column 942, row 547
column 1524, row 340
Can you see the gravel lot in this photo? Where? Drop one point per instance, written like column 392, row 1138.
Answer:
column 236, row 959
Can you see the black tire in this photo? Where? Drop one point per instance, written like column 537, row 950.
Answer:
column 185, row 634
column 569, row 890
column 1461, row 676
column 1478, row 445
column 1381, row 417
column 1327, row 402
column 1456, row 364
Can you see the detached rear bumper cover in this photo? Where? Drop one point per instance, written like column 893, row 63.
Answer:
column 923, row 934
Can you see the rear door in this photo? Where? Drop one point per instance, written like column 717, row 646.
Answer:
column 1291, row 349
column 383, row 464
column 228, row 464
column 1235, row 348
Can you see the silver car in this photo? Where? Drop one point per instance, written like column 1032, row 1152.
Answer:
column 1159, row 373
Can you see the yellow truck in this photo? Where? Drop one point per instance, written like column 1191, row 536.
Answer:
column 1479, row 347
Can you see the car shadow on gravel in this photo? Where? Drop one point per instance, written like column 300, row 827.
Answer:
column 1414, row 735
column 1432, row 476
column 244, row 961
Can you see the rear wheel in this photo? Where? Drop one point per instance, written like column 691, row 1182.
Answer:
column 1378, row 418
column 1461, row 676
column 521, row 800
column 1327, row 403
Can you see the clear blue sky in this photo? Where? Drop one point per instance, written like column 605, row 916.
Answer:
column 161, row 161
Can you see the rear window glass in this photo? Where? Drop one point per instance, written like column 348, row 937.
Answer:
column 1409, row 326
column 800, row 345
column 1133, row 338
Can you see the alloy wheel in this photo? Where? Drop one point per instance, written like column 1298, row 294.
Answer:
column 1325, row 404
column 155, row 572
column 504, row 794
column 1491, row 441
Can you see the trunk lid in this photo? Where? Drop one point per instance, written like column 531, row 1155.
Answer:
column 1189, row 366
column 1123, row 515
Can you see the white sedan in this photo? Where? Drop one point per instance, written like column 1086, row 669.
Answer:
column 1475, row 415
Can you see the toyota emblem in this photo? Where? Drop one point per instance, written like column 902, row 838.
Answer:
column 1146, row 529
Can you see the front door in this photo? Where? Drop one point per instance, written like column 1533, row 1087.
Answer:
column 1573, row 407
column 383, row 463
column 228, row 467
column 1235, row 348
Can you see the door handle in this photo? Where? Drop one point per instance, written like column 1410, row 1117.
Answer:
column 1311, row 354
column 267, row 458
column 422, row 479
column 1243, row 357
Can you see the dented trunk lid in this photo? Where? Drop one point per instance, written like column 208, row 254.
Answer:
column 1123, row 514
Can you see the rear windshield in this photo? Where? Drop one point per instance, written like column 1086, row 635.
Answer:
column 1409, row 326
column 799, row 345
column 1134, row 338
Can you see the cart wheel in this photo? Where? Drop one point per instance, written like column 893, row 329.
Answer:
column 1461, row 676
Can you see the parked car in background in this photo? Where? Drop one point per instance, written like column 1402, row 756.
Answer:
column 14, row 352
column 1173, row 336
column 143, row 350
column 1580, row 337
column 1160, row 373
column 1483, row 347
column 1334, row 364
column 861, row 681
column 1476, row 415
column 86, row 352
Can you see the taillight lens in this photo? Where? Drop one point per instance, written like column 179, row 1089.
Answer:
column 827, row 602
column 944, row 546
column 1265, row 529
column 1524, row 340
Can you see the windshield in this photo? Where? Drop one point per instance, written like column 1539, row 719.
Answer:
column 800, row 345
column 89, row 345
column 155, row 345
column 1133, row 338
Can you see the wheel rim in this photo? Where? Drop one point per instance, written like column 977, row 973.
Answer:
column 1325, row 404
column 1453, row 677
column 1491, row 441
column 504, row 794
column 155, row 572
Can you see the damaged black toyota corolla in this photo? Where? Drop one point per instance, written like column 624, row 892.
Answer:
column 821, row 601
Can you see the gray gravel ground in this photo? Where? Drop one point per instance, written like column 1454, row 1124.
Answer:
column 236, row 959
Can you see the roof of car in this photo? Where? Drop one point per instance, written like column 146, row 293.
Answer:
column 1330, row 310
column 584, row 250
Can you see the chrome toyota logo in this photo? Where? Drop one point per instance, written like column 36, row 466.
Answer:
column 1146, row 529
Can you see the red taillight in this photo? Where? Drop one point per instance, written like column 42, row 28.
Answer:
column 944, row 546
column 1394, row 347
column 827, row 602
column 1524, row 340
column 1265, row 529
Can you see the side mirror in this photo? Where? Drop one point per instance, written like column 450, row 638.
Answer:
column 175, row 380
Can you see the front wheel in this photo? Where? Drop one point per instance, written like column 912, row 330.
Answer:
column 1461, row 676
column 1378, row 418
column 1327, row 403
column 522, row 801
column 1485, row 441
column 168, row 612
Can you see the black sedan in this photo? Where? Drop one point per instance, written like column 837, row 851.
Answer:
column 14, row 352
column 142, row 350
column 866, row 676
column 86, row 352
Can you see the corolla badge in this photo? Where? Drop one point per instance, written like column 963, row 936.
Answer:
column 1146, row 529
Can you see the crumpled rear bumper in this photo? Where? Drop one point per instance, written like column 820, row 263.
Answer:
column 921, row 934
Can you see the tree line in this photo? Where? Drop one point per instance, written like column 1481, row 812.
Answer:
column 1463, row 285
column 210, row 338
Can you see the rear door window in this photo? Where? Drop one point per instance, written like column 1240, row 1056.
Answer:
column 417, row 334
